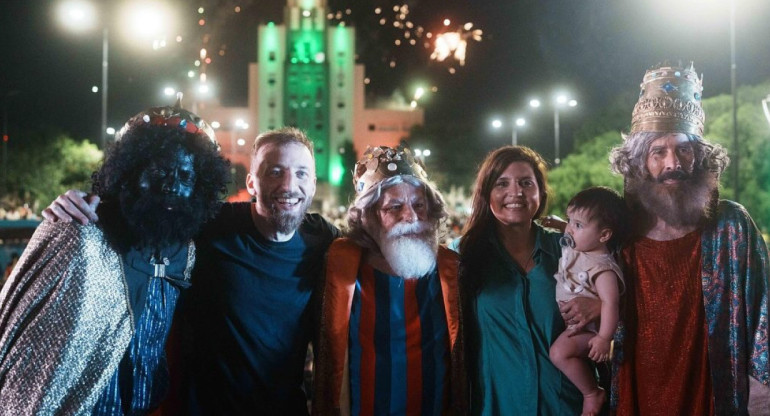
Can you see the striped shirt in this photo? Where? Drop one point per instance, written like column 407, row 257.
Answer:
column 399, row 349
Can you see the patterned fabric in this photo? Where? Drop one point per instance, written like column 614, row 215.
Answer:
column 734, row 277
column 141, row 381
column 399, row 349
column 331, row 393
column 65, row 322
column 58, row 344
column 667, row 370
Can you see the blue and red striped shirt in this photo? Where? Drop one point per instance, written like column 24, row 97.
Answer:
column 399, row 345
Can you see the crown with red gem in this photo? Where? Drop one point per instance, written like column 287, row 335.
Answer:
column 382, row 162
column 670, row 102
column 175, row 117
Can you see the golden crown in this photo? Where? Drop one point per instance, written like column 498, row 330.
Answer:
column 669, row 102
column 175, row 117
column 382, row 162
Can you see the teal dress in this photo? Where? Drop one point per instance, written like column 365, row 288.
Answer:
column 513, row 321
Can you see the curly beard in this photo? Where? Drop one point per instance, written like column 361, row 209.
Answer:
column 410, row 249
column 146, row 220
column 686, row 204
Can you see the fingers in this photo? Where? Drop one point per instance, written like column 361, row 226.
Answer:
column 73, row 205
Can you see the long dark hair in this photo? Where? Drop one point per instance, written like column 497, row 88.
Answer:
column 473, row 247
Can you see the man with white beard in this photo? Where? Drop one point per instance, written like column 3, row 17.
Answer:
column 390, row 337
column 696, row 322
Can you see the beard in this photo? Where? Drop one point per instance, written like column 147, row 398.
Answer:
column 159, row 221
column 284, row 221
column 686, row 204
column 410, row 249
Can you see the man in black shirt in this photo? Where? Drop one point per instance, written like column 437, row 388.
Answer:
column 245, row 321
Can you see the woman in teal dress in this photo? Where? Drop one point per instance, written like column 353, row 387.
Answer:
column 508, row 263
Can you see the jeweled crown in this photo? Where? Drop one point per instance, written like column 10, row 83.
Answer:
column 670, row 102
column 382, row 162
column 175, row 116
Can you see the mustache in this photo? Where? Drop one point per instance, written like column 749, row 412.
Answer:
column 673, row 174
column 403, row 228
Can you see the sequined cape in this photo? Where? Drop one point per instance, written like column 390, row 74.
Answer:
column 331, row 389
column 65, row 322
column 734, row 274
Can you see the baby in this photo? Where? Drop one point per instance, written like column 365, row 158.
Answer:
column 595, row 230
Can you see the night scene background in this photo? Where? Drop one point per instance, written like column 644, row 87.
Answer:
column 595, row 51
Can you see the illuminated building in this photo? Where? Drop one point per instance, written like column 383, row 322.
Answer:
column 306, row 76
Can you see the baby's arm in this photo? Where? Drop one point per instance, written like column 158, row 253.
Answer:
column 607, row 287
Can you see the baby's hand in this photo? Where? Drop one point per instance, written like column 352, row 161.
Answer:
column 599, row 349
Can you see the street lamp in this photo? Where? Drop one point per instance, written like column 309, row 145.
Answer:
column 80, row 15
column 516, row 122
column 560, row 101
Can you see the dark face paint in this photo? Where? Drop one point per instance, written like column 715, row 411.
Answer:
column 172, row 177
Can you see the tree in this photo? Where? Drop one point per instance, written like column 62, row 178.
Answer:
column 44, row 164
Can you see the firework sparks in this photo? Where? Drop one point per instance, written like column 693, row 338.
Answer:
column 454, row 44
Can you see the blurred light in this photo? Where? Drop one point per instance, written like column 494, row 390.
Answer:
column 446, row 22
column 561, row 99
column 534, row 103
column 468, row 26
column 417, row 152
column 497, row 123
column 377, row 10
column 201, row 22
column 169, row 91
column 239, row 122
column 241, row 141
column 520, row 121
column 145, row 19
column 367, row 81
column 306, row 13
column 215, row 124
column 237, row 9
column 203, row 89
column 179, row 38
column 77, row 15
column 94, row 89
column 426, row 152
column 197, row 62
column 413, row 104
column 203, row 77
column 200, row 10
column 191, row 74
column 419, row 92
column 203, row 53
column 572, row 103
column 110, row 131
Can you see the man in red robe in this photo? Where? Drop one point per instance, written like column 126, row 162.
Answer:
column 695, row 336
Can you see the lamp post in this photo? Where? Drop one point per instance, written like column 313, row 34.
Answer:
column 733, row 82
column 81, row 15
column 766, row 107
column 560, row 101
column 515, row 123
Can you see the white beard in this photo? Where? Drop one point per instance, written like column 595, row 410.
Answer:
column 410, row 249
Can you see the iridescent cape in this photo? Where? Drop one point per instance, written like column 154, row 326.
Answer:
column 735, row 273
column 65, row 322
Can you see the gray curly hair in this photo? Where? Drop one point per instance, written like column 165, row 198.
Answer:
column 361, row 213
column 630, row 158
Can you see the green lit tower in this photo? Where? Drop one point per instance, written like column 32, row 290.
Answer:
column 305, row 79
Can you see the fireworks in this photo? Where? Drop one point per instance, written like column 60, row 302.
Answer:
column 454, row 44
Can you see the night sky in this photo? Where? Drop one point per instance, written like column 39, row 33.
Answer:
column 595, row 49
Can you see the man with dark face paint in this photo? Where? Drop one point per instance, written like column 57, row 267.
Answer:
column 246, row 321
column 86, row 313
column 694, row 338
